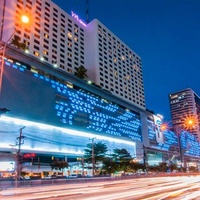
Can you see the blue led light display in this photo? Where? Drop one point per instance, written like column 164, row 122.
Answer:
column 76, row 107
column 170, row 142
column 189, row 144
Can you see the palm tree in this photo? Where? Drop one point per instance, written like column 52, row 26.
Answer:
column 16, row 43
column 81, row 72
column 100, row 150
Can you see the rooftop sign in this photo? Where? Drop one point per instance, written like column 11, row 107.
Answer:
column 75, row 16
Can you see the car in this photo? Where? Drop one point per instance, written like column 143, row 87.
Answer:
column 25, row 177
column 53, row 176
column 75, row 176
column 88, row 176
column 46, row 177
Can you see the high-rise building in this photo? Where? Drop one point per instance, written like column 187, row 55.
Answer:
column 114, row 66
column 185, row 104
column 67, row 43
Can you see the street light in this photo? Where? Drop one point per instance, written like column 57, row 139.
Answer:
column 24, row 20
column 189, row 124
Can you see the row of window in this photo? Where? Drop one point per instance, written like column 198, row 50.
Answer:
column 107, row 40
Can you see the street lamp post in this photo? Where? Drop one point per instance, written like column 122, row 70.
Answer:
column 178, row 133
column 188, row 123
column 24, row 20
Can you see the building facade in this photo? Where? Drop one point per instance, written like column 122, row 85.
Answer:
column 183, row 104
column 114, row 66
column 60, row 113
column 67, row 43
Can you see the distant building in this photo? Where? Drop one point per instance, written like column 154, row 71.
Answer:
column 185, row 103
column 66, row 42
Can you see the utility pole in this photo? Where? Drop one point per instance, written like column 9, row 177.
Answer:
column 18, row 156
column 144, row 158
column 93, row 160
column 82, row 162
column 178, row 132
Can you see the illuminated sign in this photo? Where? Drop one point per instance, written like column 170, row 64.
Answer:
column 29, row 155
column 75, row 16
column 7, row 166
column 158, row 131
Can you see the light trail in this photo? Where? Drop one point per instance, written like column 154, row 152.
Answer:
column 149, row 188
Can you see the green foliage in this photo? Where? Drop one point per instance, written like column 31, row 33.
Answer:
column 100, row 150
column 109, row 166
column 121, row 156
column 45, row 173
column 163, row 167
column 81, row 72
column 16, row 43
column 120, row 160
column 193, row 169
column 59, row 165
column 134, row 166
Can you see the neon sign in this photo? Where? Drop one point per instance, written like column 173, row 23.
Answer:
column 75, row 16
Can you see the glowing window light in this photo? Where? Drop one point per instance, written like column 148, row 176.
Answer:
column 69, row 35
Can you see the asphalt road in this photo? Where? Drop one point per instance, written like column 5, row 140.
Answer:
column 152, row 188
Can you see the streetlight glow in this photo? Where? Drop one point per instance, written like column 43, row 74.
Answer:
column 163, row 127
column 190, row 122
column 25, row 19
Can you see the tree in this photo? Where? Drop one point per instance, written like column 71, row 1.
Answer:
column 16, row 43
column 122, row 155
column 109, row 165
column 81, row 72
column 123, row 158
column 59, row 165
column 135, row 166
column 100, row 150
column 163, row 167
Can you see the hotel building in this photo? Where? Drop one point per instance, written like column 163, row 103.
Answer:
column 60, row 112
column 67, row 43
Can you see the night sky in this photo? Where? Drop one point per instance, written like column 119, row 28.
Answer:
column 164, row 33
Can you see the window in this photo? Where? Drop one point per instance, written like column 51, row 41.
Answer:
column 36, row 53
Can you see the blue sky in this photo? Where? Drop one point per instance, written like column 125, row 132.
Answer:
column 164, row 33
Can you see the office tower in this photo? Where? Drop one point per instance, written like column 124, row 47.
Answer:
column 67, row 43
column 183, row 105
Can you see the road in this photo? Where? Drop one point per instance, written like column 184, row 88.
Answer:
column 152, row 188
